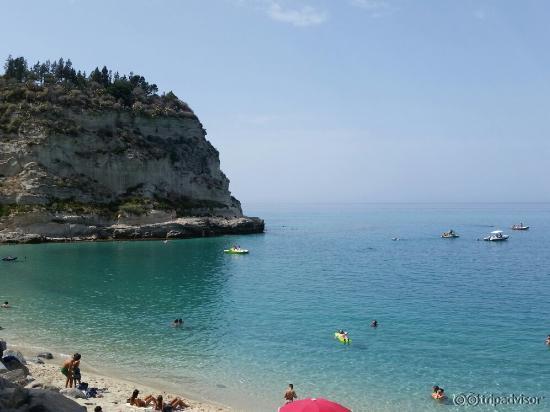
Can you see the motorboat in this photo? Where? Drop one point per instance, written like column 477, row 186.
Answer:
column 520, row 226
column 451, row 234
column 9, row 258
column 496, row 236
column 236, row 250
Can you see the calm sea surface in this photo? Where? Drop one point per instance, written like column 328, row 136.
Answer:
column 468, row 315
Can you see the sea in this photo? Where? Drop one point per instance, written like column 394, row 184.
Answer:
column 468, row 315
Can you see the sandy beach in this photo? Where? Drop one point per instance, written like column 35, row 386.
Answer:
column 117, row 391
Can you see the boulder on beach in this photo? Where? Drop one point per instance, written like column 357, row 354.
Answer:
column 15, row 354
column 18, row 376
column 12, row 363
column 17, row 399
column 73, row 393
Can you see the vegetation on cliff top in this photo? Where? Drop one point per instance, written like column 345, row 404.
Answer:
column 47, row 88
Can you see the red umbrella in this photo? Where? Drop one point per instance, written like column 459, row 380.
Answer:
column 313, row 405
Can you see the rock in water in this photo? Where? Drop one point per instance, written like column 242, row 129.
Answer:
column 45, row 355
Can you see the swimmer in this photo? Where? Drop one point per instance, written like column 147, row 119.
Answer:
column 438, row 393
column 547, row 341
column 374, row 323
column 6, row 305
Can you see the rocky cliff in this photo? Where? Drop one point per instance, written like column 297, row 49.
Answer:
column 81, row 165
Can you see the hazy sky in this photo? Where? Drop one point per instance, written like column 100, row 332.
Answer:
column 332, row 100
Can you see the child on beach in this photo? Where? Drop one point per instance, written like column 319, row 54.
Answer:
column 290, row 394
column 68, row 369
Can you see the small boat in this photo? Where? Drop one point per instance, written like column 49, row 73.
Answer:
column 521, row 226
column 451, row 234
column 236, row 251
column 341, row 338
column 9, row 258
column 496, row 236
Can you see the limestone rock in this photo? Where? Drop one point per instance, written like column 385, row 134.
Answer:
column 120, row 176
column 15, row 354
column 73, row 393
column 17, row 399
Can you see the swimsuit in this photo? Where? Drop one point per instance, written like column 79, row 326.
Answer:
column 65, row 371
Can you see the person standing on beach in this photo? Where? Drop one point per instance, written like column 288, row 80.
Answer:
column 290, row 394
column 68, row 369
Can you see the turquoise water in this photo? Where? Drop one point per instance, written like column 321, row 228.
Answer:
column 464, row 314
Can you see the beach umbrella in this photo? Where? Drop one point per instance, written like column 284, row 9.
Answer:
column 313, row 405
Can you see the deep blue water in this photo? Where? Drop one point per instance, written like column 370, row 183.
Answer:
column 468, row 315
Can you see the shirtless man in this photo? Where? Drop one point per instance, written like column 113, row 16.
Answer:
column 6, row 305
column 290, row 394
column 68, row 369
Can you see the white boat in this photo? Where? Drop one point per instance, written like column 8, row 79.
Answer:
column 451, row 234
column 496, row 236
column 520, row 226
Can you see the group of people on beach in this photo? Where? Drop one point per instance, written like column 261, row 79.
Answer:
column 157, row 403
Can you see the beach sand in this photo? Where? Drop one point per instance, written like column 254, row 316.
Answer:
column 117, row 390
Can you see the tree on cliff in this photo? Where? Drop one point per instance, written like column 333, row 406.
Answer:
column 101, row 88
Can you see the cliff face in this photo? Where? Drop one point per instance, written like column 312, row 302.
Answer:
column 111, row 157
column 107, row 174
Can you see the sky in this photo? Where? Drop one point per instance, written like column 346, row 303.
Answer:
column 325, row 101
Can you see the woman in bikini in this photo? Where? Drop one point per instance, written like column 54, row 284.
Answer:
column 135, row 401
column 175, row 403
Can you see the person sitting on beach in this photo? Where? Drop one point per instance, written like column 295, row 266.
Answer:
column 374, row 323
column 547, row 341
column 175, row 403
column 290, row 394
column 68, row 369
column 6, row 305
column 142, row 403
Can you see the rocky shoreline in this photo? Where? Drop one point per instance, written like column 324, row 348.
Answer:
column 31, row 382
column 75, row 228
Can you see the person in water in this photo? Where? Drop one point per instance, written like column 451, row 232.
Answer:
column 6, row 305
column 177, row 323
column 290, row 393
column 142, row 403
column 547, row 341
column 374, row 323
column 438, row 393
column 68, row 369
column 344, row 335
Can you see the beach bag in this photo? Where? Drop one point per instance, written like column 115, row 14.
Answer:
column 82, row 386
